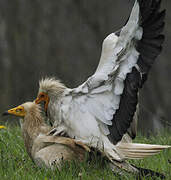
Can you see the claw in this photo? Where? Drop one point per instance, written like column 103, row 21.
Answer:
column 58, row 131
column 51, row 132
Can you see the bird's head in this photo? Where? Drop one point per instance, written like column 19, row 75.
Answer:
column 17, row 111
column 23, row 109
column 49, row 88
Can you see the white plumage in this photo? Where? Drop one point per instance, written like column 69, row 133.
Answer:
column 90, row 112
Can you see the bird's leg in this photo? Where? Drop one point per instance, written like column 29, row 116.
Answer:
column 58, row 131
column 81, row 144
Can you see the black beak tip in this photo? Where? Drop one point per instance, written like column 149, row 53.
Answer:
column 5, row 113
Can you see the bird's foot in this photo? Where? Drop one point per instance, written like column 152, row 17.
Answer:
column 51, row 132
column 58, row 131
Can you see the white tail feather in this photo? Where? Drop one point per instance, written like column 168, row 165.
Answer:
column 139, row 151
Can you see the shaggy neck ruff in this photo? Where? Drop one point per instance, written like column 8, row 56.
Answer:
column 32, row 126
column 54, row 88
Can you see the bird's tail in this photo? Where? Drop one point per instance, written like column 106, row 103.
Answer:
column 139, row 151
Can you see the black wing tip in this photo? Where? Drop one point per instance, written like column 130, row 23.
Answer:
column 149, row 10
column 150, row 46
column 163, row 12
column 124, row 115
column 147, row 173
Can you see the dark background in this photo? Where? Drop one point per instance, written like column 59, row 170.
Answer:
column 63, row 38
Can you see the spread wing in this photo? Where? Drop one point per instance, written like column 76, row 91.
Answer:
column 110, row 95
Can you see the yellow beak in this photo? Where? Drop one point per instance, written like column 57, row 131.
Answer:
column 43, row 97
column 17, row 111
column 38, row 100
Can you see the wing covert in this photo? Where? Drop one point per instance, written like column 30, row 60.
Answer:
column 110, row 95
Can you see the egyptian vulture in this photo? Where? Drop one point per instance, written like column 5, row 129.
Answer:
column 51, row 151
column 100, row 111
column 45, row 150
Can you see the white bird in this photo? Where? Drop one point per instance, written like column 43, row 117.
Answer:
column 100, row 111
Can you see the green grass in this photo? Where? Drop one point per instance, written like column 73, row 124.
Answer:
column 15, row 163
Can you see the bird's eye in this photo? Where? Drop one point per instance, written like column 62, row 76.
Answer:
column 42, row 95
column 18, row 110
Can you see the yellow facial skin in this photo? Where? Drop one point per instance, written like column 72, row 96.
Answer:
column 17, row 111
column 2, row 127
column 43, row 97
